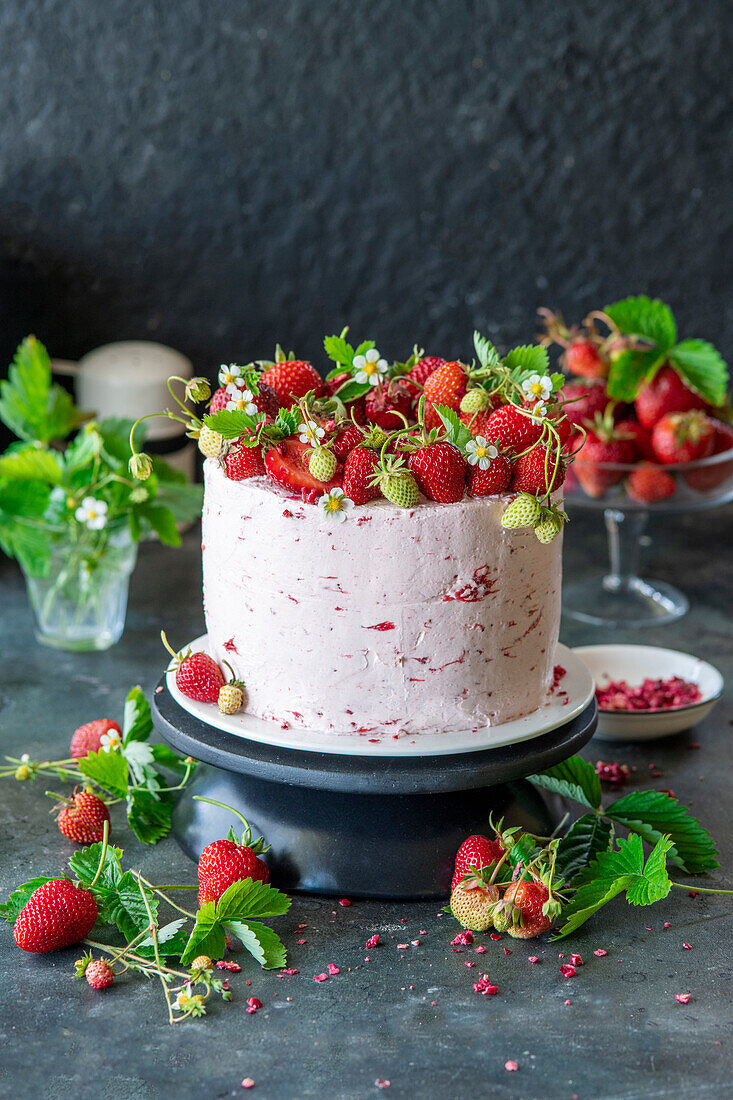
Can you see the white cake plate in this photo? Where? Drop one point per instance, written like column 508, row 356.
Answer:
column 572, row 696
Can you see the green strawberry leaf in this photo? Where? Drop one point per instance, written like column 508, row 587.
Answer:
column 261, row 942
column 342, row 353
column 31, row 464
column 352, row 389
column 139, row 757
column 149, row 816
column 527, row 359
column 458, row 433
column 85, row 861
column 172, row 939
column 703, row 369
column 125, row 906
column 167, row 758
column 573, row 778
column 207, row 938
column 654, row 814
column 630, row 370
column 581, row 845
column 23, row 499
column 231, row 423
column 108, row 770
column 614, row 872
column 137, row 721
column 10, row 911
column 247, row 899
column 486, row 353
column 647, row 318
column 30, row 545
column 30, row 404
column 286, row 422
column 162, row 521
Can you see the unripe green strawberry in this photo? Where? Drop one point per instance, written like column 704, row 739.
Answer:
column 473, row 401
column 474, row 908
column 549, row 527
column 322, row 463
column 230, row 698
column 401, row 488
column 210, row 442
column 524, row 511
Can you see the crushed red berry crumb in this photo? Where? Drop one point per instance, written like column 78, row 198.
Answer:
column 290, row 971
column 484, row 986
column 382, row 1083
column 332, row 969
column 495, row 936
column 248, row 1083
column 576, row 960
column 649, row 695
column 462, row 938
column 373, row 941
column 253, row 1003
column 480, row 950
column 567, row 970
column 344, row 901
column 687, row 946
column 233, row 967
column 320, row 977
column 533, row 959
column 600, row 952
column 511, row 1066
column 612, row 773
column 683, row 998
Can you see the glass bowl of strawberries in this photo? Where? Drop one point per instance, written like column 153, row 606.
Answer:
column 650, row 436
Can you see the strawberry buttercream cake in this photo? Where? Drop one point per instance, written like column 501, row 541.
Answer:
column 382, row 549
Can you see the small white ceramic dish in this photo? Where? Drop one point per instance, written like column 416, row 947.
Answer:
column 576, row 691
column 635, row 663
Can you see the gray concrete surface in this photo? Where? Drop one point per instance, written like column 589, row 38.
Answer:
column 622, row 1037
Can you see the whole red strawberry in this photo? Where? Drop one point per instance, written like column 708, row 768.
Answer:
column 639, row 436
column 649, row 483
column 243, row 462
column 88, row 738
column 82, row 818
column 512, row 429
column 584, row 359
column 491, row 481
column 56, row 915
column 538, row 471
column 291, row 379
column 99, row 974
column 382, row 403
column 682, row 437
column 219, row 400
column 347, row 437
column 440, row 471
column 225, row 862
column 476, row 851
column 603, row 445
column 666, row 393
column 287, row 464
column 446, row 385
column 520, row 912
column 359, row 468
column 582, row 400
column 424, row 368
column 198, row 676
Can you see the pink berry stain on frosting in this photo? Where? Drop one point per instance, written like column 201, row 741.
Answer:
column 423, row 641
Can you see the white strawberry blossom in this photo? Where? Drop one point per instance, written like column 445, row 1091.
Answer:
column 240, row 400
column 231, row 375
column 369, row 367
column 335, row 505
column 538, row 387
column 110, row 742
column 93, row 513
column 310, row 432
column 479, row 452
column 538, row 411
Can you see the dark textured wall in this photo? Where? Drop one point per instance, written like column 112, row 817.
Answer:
column 219, row 174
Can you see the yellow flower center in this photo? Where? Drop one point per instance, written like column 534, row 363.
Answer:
column 334, row 504
column 536, row 389
column 480, row 451
column 91, row 514
column 370, row 368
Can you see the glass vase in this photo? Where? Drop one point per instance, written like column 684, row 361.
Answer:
column 81, row 604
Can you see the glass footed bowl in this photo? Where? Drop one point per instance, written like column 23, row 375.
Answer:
column 621, row 597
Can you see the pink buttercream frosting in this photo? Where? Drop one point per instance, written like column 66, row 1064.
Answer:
column 395, row 621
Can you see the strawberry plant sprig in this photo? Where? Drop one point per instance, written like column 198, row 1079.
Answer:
column 126, row 768
column 127, row 905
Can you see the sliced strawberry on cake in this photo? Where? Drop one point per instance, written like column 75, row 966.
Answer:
column 287, row 463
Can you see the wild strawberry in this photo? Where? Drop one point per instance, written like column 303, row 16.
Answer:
column 383, row 403
column 666, row 393
column 549, row 525
column 243, row 462
column 322, row 463
column 440, row 470
column 56, row 915
column 523, row 511
column 514, row 430
column 520, row 911
column 347, row 437
column 603, row 448
column 231, row 697
column 82, row 818
column 359, row 469
column 219, row 400
column 266, row 399
column 474, row 908
column 396, row 482
column 493, row 480
column 582, row 400
column 537, row 471
column 649, row 483
column 202, row 962
column 225, row 862
column 210, row 443
column 639, row 436
column 88, row 738
column 198, row 676
column 292, row 379
column 99, row 974
column 682, row 437
column 583, row 358
column 474, row 401
column 287, row 464
column 476, row 851
column 425, row 367
column 446, row 385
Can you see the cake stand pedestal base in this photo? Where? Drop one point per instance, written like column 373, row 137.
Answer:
column 359, row 826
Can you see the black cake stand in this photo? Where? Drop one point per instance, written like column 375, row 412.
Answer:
column 359, row 825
